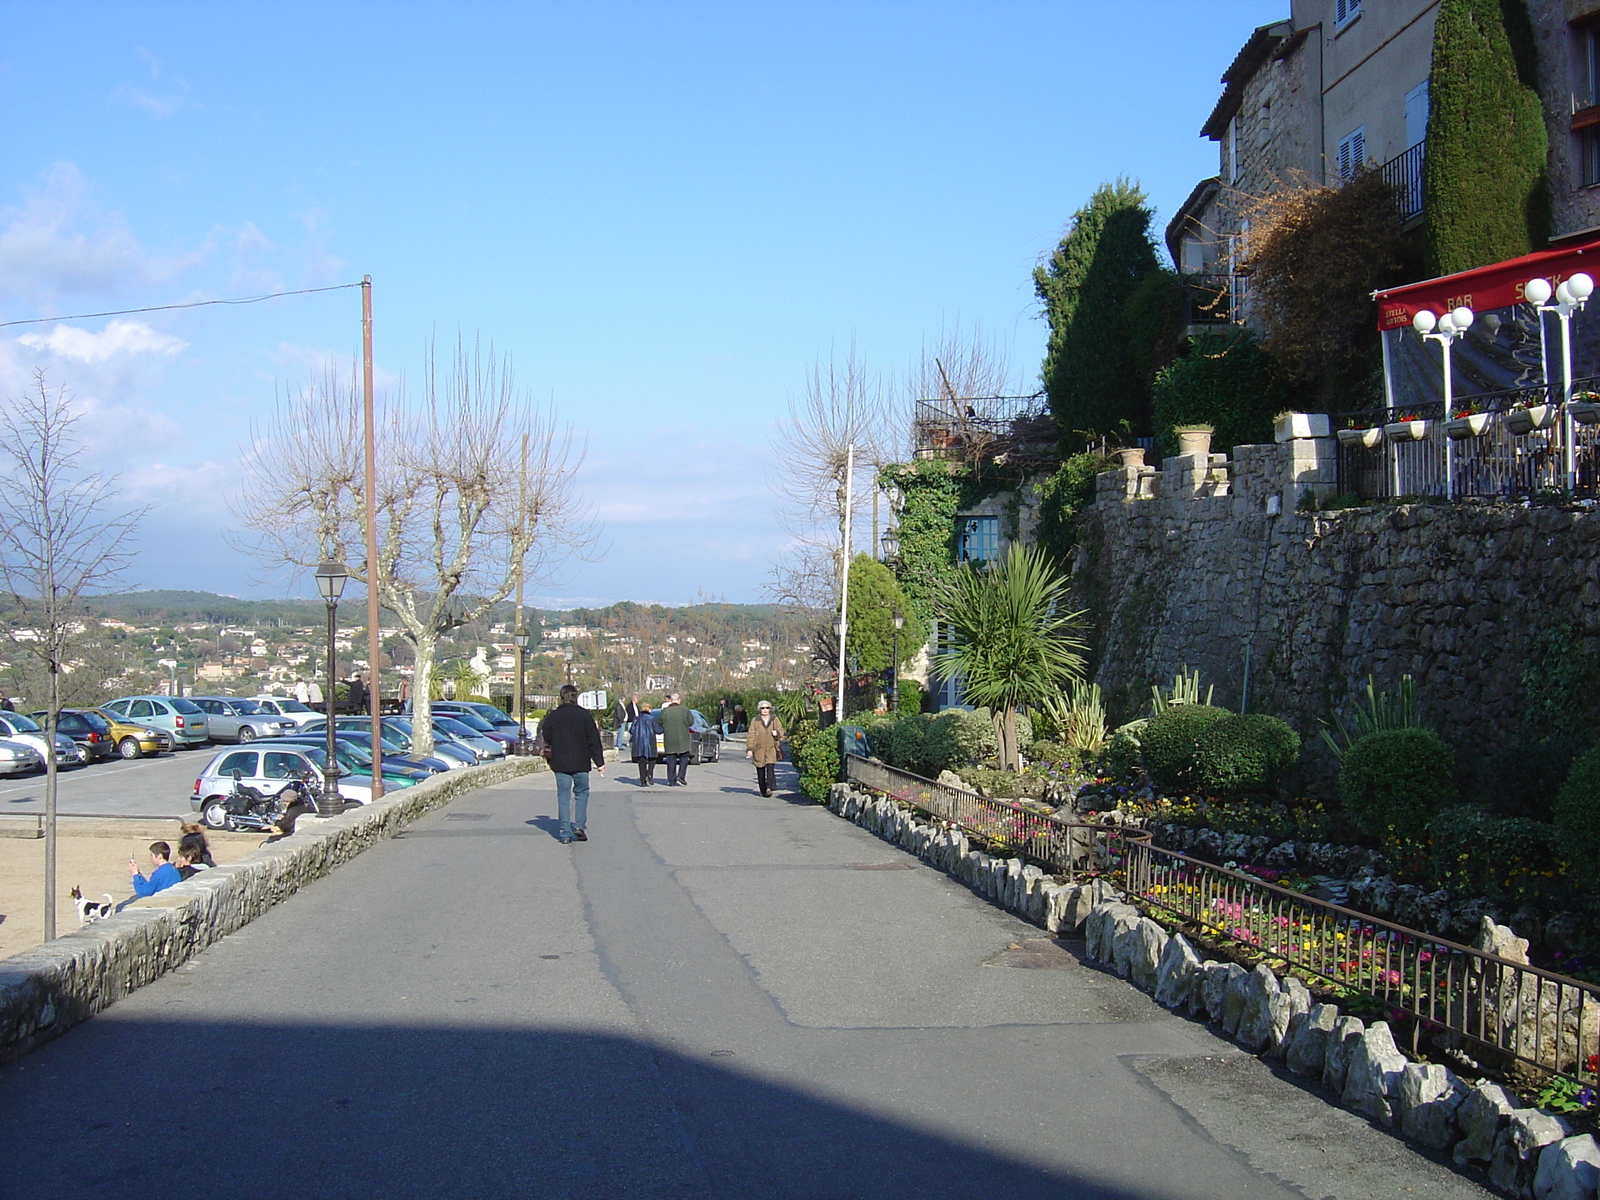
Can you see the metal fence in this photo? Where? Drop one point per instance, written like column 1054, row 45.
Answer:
column 964, row 426
column 1403, row 172
column 1538, row 1017
column 1520, row 444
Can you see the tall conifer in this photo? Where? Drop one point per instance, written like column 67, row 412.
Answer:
column 1483, row 174
column 1092, row 370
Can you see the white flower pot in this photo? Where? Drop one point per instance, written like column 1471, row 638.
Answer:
column 1471, row 426
column 1406, row 431
column 1365, row 438
column 1300, row 425
column 1585, row 412
column 1536, row 416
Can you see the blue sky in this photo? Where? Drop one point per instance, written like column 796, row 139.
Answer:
column 664, row 212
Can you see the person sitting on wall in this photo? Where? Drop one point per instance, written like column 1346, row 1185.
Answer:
column 162, row 876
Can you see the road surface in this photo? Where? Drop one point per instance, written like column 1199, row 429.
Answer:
column 141, row 787
column 716, row 996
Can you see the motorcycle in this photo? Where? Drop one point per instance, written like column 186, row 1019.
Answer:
column 248, row 809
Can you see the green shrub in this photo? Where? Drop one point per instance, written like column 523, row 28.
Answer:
column 1171, row 743
column 1243, row 754
column 1003, row 784
column 817, row 760
column 1051, row 752
column 908, row 698
column 1578, row 817
column 1476, row 853
column 1527, row 776
column 1125, row 748
column 1395, row 781
column 905, row 744
column 966, row 737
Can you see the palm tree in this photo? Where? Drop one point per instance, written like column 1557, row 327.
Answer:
column 1013, row 640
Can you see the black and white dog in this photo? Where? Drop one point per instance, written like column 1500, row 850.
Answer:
column 92, row 910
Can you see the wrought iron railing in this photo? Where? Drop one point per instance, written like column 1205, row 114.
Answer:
column 1403, row 173
column 967, row 425
column 1536, row 1016
column 1520, row 444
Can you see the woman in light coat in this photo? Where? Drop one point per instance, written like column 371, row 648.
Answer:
column 764, row 746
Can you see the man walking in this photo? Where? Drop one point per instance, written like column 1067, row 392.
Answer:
column 572, row 742
column 676, row 740
column 625, row 713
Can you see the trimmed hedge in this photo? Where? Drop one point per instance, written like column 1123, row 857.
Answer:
column 1395, row 781
column 1244, row 754
column 1578, row 817
column 1477, row 853
column 1171, row 742
column 818, row 761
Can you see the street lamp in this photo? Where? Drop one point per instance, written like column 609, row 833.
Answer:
column 894, row 666
column 891, row 544
column 522, row 637
column 1570, row 296
column 330, row 585
column 1444, row 330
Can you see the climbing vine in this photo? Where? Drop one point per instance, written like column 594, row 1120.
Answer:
column 933, row 492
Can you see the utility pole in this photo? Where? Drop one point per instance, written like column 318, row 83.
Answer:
column 374, row 641
column 844, row 573
column 519, row 700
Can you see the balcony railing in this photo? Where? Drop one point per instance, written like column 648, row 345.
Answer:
column 970, row 427
column 1403, row 173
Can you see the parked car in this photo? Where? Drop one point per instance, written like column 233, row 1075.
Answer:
column 392, row 750
column 286, row 708
column 132, row 739
column 353, row 756
column 464, row 715
column 495, row 717
column 179, row 717
column 485, row 745
column 90, row 730
column 230, row 719
column 18, row 758
column 267, row 767
column 18, row 727
column 705, row 740
column 446, row 750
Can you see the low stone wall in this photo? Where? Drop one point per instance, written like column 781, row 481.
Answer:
column 1527, row 1152
column 49, row 989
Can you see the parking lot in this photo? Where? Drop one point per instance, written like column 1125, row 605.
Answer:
column 144, row 787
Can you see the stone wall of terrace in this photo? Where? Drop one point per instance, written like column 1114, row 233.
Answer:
column 1205, row 564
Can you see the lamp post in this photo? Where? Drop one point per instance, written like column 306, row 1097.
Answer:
column 1444, row 330
column 894, row 666
column 522, row 638
column 330, row 585
column 1570, row 296
column 891, row 544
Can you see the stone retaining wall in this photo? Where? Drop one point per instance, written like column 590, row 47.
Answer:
column 49, row 989
column 1528, row 1153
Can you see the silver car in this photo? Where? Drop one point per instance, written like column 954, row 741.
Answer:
column 268, row 768
column 18, row 758
column 18, row 728
column 229, row 719
column 286, row 708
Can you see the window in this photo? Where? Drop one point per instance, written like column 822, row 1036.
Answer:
column 242, row 761
column 1345, row 11
column 1586, row 87
column 141, row 709
column 1352, row 153
column 282, row 765
column 1589, row 156
column 977, row 539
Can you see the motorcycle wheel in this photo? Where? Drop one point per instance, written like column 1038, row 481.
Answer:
column 214, row 813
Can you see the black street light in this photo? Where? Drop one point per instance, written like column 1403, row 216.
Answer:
column 522, row 637
column 894, row 667
column 330, row 585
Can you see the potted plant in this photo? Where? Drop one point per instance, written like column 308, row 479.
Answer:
column 1467, row 424
column 1365, row 436
column 1287, row 426
column 1409, row 428
column 1524, row 417
column 1131, row 456
column 1585, row 408
column 1194, row 439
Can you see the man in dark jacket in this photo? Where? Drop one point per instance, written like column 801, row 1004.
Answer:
column 573, row 742
column 676, row 740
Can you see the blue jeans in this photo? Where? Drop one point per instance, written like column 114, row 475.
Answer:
column 571, row 790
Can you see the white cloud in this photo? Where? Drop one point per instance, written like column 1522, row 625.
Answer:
column 175, row 97
column 120, row 337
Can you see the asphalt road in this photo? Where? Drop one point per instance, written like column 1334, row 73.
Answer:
column 141, row 787
column 716, row 996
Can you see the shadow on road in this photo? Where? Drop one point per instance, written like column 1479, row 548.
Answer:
column 292, row 1110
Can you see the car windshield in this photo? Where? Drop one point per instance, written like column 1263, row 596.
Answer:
column 186, row 707
column 452, row 726
column 471, row 721
column 293, row 706
column 247, row 708
column 94, row 721
column 341, row 755
column 24, row 724
column 491, row 714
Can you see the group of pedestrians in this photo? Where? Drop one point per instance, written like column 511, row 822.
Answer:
column 571, row 741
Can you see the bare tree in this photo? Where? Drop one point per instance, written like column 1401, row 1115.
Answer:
column 960, row 390
column 59, row 544
column 453, row 523
column 844, row 405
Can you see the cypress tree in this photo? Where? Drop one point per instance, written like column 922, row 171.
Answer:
column 1483, row 183
column 1092, row 368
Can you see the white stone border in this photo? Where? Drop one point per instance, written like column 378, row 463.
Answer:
column 1528, row 1152
column 47, row 990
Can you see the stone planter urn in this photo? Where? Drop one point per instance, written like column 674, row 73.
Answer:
column 1470, row 426
column 1132, row 456
column 1365, row 438
column 1406, row 431
column 1523, row 421
column 1194, row 439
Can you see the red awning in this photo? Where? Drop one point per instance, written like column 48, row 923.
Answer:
column 1499, row 285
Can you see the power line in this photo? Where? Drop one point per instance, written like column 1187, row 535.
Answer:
column 124, row 312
